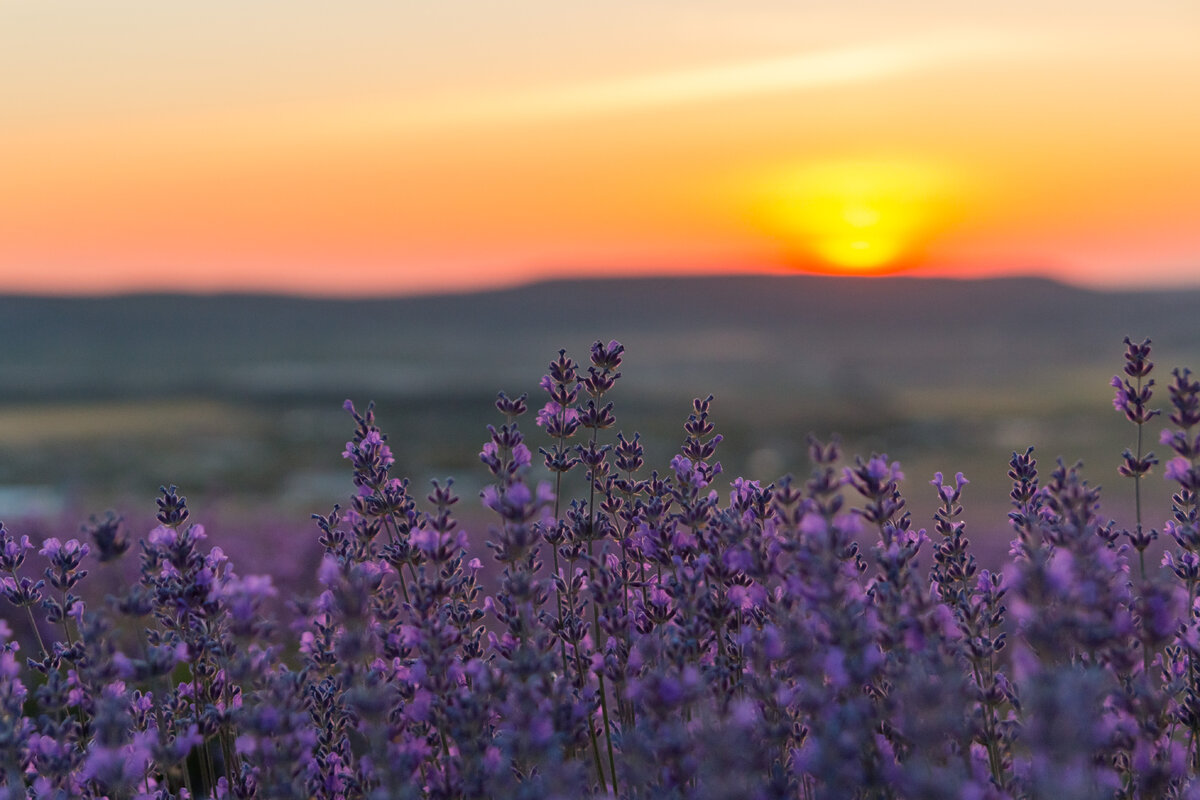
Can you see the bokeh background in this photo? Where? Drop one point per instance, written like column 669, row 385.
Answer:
column 924, row 225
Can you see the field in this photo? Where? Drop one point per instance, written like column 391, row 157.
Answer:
column 695, row 599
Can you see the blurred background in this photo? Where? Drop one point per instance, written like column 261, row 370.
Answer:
column 924, row 225
column 238, row 399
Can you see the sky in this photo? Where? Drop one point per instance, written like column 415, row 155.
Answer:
column 375, row 147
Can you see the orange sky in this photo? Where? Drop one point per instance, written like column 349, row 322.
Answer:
column 400, row 147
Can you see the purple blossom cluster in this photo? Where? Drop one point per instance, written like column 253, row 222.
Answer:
column 659, row 635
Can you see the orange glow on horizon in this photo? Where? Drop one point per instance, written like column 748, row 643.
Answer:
column 390, row 151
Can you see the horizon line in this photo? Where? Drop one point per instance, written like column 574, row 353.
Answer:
column 549, row 280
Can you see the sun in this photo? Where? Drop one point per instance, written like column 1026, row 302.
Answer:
column 854, row 217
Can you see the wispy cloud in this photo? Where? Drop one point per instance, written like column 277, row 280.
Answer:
column 813, row 70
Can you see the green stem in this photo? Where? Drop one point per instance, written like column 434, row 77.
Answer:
column 32, row 619
column 591, row 728
column 596, row 614
column 187, row 772
column 1137, row 496
column 207, row 767
column 36, row 632
column 554, row 550
column 395, row 534
column 229, row 750
column 66, row 623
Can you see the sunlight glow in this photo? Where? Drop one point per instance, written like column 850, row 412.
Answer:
column 856, row 216
column 411, row 147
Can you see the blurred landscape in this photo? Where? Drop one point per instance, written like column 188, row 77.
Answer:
column 238, row 398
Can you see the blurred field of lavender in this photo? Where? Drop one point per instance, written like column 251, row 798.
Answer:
column 237, row 399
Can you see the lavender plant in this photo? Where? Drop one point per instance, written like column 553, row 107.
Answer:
column 652, row 635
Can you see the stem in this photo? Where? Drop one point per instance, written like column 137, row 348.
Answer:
column 558, row 476
column 741, row 655
column 624, row 708
column 32, row 619
column 187, row 772
column 395, row 534
column 989, row 733
column 1137, row 487
column 66, row 623
column 612, row 763
column 159, row 719
column 1137, row 494
column 1137, row 504
column 591, row 728
column 596, row 612
column 232, row 762
column 207, row 769
column 554, row 550
column 36, row 632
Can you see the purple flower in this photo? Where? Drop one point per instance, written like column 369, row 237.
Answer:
column 1121, row 398
column 949, row 494
column 10, row 668
column 21, row 591
column 185, row 740
column 747, row 648
column 12, row 551
column 1179, row 469
column 833, row 667
column 743, row 491
column 109, row 535
column 425, row 539
column 553, row 414
column 330, row 572
column 163, row 536
column 244, row 596
column 813, row 525
column 607, row 357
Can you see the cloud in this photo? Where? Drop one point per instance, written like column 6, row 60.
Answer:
column 813, row 70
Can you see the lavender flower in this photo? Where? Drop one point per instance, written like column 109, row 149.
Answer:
column 704, row 640
column 109, row 535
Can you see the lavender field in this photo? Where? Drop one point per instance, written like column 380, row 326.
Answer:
column 736, row 539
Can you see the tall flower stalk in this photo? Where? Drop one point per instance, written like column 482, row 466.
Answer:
column 1133, row 394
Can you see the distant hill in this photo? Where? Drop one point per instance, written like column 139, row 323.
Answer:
column 721, row 329
column 240, row 395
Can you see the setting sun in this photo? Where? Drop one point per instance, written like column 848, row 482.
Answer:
column 426, row 147
column 856, row 216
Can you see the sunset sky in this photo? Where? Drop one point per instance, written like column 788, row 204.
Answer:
column 388, row 147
